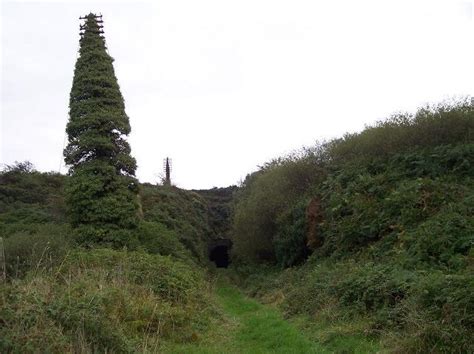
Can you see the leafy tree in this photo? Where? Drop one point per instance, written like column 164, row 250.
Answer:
column 102, row 191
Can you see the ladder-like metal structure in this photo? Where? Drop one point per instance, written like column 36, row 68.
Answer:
column 98, row 20
column 167, row 167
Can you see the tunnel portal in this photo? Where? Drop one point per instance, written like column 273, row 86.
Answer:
column 219, row 252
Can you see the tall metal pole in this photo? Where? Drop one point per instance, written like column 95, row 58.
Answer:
column 168, row 172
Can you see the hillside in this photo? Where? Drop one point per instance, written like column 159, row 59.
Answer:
column 356, row 245
column 64, row 295
column 219, row 201
column 375, row 232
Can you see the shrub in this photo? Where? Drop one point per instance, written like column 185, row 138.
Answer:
column 106, row 236
column 42, row 248
column 444, row 239
column 184, row 212
column 366, row 288
column 27, row 196
column 368, row 204
column 157, row 239
column 167, row 277
column 439, row 315
column 370, row 287
column 265, row 196
column 431, row 126
column 290, row 241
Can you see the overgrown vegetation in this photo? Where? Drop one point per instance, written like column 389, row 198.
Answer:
column 184, row 212
column 254, row 328
column 104, row 300
column 365, row 242
column 33, row 218
column 59, row 297
column 373, row 251
column 219, row 201
column 385, row 217
column 101, row 193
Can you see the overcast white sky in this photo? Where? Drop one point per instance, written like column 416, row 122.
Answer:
column 222, row 86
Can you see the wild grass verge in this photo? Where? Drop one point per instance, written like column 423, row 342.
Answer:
column 105, row 300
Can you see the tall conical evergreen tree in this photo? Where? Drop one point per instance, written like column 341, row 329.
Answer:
column 101, row 192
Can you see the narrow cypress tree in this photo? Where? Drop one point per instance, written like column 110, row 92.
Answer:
column 101, row 193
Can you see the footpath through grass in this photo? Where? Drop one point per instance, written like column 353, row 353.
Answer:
column 250, row 328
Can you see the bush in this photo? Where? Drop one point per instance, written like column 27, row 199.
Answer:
column 267, row 195
column 290, row 241
column 184, row 212
column 106, row 236
column 157, row 239
column 368, row 204
column 370, row 287
column 444, row 239
column 439, row 316
column 42, row 248
column 374, row 184
column 167, row 277
column 27, row 196
column 367, row 288
column 442, row 124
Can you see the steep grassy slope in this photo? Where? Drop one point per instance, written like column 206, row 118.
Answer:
column 219, row 201
column 386, row 219
column 175, row 222
column 186, row 213
column 61, row 297
column 28, row 198
column 104, row 301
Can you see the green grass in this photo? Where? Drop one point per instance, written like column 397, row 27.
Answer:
column 251, row 327
column 261, row 328
column 338, row 336
column 104, row 301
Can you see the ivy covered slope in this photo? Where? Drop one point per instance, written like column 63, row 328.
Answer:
column 380, row 227
column 175, row 222
column 196, row 216
column 59, row 297
column 102, row 192
column 186, row 213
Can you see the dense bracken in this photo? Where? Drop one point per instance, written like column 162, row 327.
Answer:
column 392, row 245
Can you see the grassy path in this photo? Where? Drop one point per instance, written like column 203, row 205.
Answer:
column 252, row 328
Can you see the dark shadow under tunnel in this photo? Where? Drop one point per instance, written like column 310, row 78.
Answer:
column 219, row 252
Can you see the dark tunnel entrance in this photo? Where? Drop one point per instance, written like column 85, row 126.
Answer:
column 219, row 252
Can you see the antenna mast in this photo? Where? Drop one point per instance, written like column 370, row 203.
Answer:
column 98, row 19
column 167, row 166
